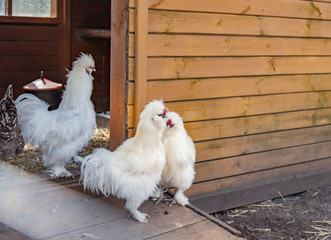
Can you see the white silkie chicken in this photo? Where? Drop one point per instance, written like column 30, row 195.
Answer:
column 63, row 132
column 180, row 158
column 134, row 169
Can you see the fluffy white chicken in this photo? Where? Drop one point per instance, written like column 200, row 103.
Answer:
column 134, row 169
column 180, row 158
column 63, row 132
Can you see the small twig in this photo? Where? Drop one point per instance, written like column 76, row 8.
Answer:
column 281, row 196
column 275, row 236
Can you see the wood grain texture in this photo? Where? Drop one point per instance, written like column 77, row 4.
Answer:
column 28, row 33
column 204, row 88
column 118, row 76
column 141, row 46
column 246, row 106
column 229, row 147
column 252, row 83
column 28, row 48
column 260, row 161
column 181, row 68
column 295, row 183
column 169, row 22
column 277, row 8
column 216, row 46
column 63, row 39
column 267, row 176
column 232, row 127
column 197, row 231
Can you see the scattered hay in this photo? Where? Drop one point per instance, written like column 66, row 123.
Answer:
column 31, row 159
column 322, row 230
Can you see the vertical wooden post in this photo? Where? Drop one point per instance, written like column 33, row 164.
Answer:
column 64, row 44
column 54, row 9
column 118, row 68
column 140, row 81
column 8, row 7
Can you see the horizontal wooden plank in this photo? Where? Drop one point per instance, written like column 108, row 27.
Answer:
column 228, row 147
column 28, row 48
column 261, row 161
column 210, row 23
column 207, row 130
column 224, row 128
column 279, row 8
column 216, row 46
column 28, row 33
column 229, row 87
column 245, row 106
column 122, row 228
column 21, row 78
column 271, row 175
column 265, row 190
column 28, row 63
column 201, row 230
column 181, row 68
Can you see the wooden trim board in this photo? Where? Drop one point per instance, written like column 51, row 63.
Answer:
column 118, row 70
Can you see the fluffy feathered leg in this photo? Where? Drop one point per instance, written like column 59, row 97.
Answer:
column 57, row 171
column 132, row 207
column 180, row 198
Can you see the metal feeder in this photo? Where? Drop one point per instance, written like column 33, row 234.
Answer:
column 46, row 90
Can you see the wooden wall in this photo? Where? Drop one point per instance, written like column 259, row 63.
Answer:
column 87, row 14
column 252, row 81
column 25, row 50
column 29, row 45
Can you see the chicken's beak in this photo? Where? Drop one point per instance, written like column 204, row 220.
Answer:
column 164, row 113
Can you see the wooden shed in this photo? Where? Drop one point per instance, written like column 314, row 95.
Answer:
column 251, row 79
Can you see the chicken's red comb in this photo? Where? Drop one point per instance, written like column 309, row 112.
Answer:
column 169, row 123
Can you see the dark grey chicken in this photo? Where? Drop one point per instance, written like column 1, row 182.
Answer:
column 11, row 140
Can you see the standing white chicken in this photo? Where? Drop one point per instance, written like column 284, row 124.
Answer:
column 180, row 157
column 134, row 169
column 61, row 133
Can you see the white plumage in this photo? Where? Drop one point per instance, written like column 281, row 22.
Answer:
column 180, row 158
column 61, row 133
column 134, row 169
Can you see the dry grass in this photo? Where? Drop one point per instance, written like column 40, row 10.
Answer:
column 31, row 159
column 322, row 230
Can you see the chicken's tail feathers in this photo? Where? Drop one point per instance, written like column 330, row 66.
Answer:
column 31, row 98
column 95, row 171
column 33, row 116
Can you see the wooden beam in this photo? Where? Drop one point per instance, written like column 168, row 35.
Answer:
column 140, row 95
column 8, row 7
column 92, row 33
column 64, row 39
column 118, row 69
column 54, row 8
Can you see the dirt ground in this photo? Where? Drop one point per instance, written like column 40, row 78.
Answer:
column 305, row 215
